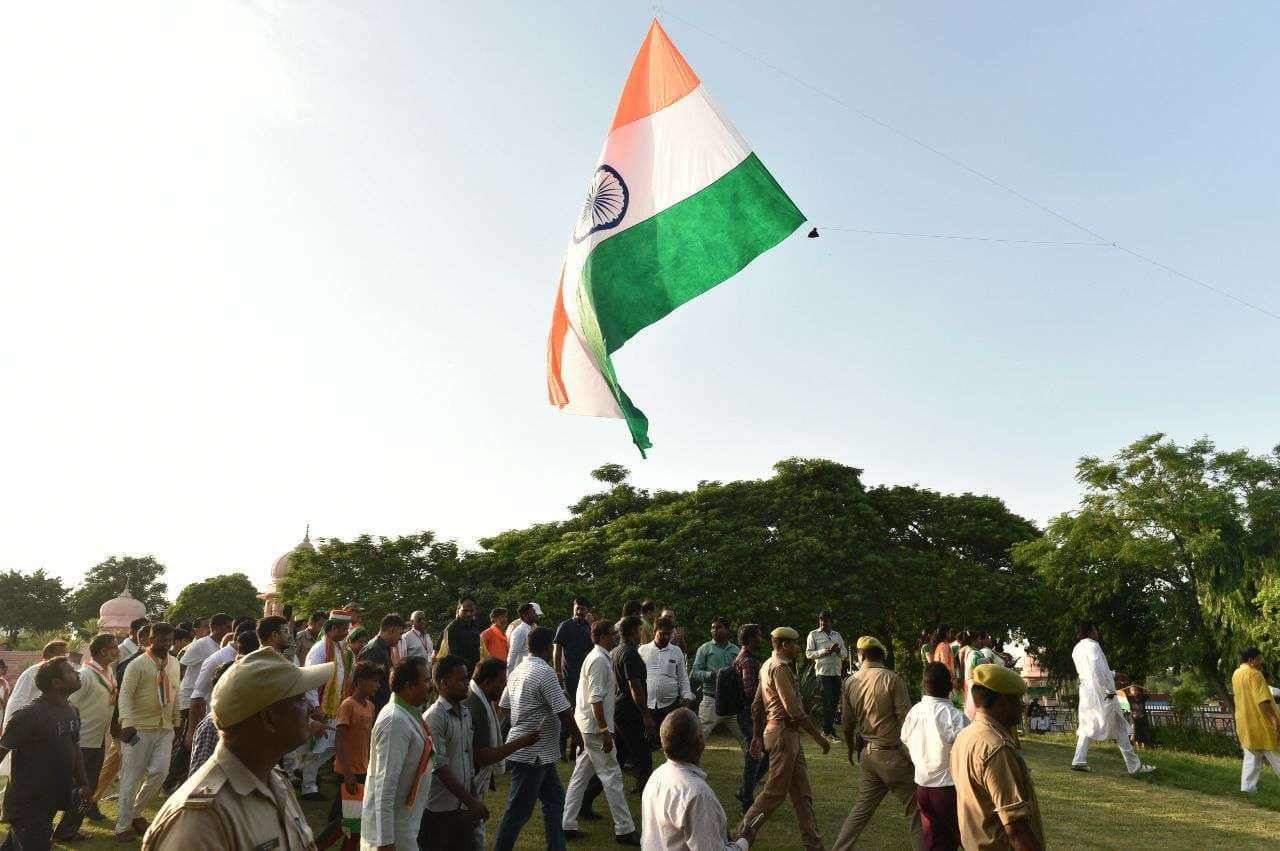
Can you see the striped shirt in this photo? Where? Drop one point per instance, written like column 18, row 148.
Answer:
column 535, row 699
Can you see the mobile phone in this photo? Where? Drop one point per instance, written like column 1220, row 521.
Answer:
column 136, row 738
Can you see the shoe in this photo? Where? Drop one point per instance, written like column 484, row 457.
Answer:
column 312, row 796
column 833, row 737
column 632, row 838
column 114, row 796
column 574, row 834
column 95, row 814
column 589, row 815
column 140, row 826
column 126, row 836
column 1142, row 769
column 1084, row 766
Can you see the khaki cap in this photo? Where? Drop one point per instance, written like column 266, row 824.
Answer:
column 1000, row 679
column 260, row 679
column 869, row 641
column 784, row 632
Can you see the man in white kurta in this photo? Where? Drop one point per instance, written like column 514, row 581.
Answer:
column 679, row 811
column 323, row 705
column 398, row 782
column 593, row 711
column 1100, row 715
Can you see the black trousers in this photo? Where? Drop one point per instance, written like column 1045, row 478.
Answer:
column 830, row 700
column 30, row 830
column 451, row 831
column 69, row 826
column 180, row 762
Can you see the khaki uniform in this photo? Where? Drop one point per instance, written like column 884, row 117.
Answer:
column 993, row 787
column 225, row 806
column 778, row 700
column 874, row 703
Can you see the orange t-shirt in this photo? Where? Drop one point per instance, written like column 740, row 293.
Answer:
column 358, row 719
column 495, row 642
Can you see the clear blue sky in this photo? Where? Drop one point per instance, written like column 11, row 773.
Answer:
column 267, row 264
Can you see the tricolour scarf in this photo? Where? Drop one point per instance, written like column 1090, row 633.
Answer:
column 425, row 760
column 336, row 691
column 106, row 679
column 164, row 689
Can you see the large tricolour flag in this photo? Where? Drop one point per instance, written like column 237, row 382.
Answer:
column 677, row 204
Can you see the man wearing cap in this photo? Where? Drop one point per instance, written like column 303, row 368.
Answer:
column 778, row 716
column 996, row 798
column 519, row 641
column 874, row 703
column 239, row 799
column 325, row 700
column 826, row 649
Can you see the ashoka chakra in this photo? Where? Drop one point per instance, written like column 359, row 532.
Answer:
column 606, row 203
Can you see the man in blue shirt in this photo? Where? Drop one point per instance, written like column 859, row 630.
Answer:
column 572, row 644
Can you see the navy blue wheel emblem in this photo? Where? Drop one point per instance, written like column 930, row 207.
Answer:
column 606, row 203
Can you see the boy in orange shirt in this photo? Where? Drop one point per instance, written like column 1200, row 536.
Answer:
column 351, row 760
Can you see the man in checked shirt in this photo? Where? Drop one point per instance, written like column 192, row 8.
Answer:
column 753, row 768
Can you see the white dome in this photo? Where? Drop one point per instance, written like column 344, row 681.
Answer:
column 120, row 611
column 280, row 569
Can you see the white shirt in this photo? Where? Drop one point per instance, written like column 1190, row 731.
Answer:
column 667, row 680
column 204, row 680
column 127, row 648
column 394, row 753
column 193, row 657
column 815, row 650
column 679, row 812
column 95, row 700
column 518, row 650
column 24, row 692
column 412, row 644
column 1099, row 718
column 928, row 732
column 595, row 685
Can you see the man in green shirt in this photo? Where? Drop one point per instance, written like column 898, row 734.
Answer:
column 717, row 653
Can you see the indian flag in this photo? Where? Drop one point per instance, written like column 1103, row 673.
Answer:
column 677, row 203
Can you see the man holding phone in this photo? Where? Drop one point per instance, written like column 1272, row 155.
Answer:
column 148, row 718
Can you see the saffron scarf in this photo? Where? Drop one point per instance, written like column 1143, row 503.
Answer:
column 336, row 690
column 107, row 680
column 164, row 689
column 425, row 760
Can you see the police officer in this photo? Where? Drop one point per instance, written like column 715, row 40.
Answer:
column 994, row 793
column 778, row 716
column 874, row 703
column 239, row 799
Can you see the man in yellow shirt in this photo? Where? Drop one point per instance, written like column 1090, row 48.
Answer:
column 148, row 718
column 1257, row 722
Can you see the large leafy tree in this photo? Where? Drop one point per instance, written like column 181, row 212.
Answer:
column 141, row 574
column 31, row 602
column 231, row 593
column 1168, row 552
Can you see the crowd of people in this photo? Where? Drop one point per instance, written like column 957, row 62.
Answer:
column 223, row 713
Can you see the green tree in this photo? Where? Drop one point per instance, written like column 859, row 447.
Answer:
column 231, row 593
column 31, row 602
column 1168, row 553
column 141, row 574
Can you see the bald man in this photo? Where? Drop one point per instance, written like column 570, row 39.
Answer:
column 678, row 808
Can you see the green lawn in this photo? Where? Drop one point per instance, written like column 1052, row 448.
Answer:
column 1190, row 802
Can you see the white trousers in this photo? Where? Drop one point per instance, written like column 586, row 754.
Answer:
column 1131, row 761
column 1251, row 771
column 142, row 772
column 709, row 720
column 311, row 763
column 594, row 761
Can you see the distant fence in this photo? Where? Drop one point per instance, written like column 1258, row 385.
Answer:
column 1211, row 719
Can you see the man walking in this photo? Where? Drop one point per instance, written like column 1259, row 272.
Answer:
column 826, row 649
column 875, row 703
column 667, row 681
column 493, row 641
column 44, row 737
column 717, row 653
column 572, row 644
column 398, row 781
column 303, row 640
column 453, row 809
column 96, row 702
column 518, row 641
column 633, row 721
column 928, row 733
column 382, row 650
column 679, row 809
column 595, row 700
column 148, row 719
column 778, row 717
column 462, row 635
column 487, row 685
column 416, row 641
column 754, row 766
column 996, row 798
column 536, row 703
column 1257, row 724
column 1100, row 715
column 325, row 701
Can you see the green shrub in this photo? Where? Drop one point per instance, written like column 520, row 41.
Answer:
column 1194, row 740
column 1187, row 698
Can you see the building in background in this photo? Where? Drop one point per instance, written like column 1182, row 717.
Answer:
column 270, row 598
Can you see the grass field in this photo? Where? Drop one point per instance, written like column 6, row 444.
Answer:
column 1191, row 802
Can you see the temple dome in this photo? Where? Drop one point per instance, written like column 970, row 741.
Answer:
column 120, row 611
column 280, row 569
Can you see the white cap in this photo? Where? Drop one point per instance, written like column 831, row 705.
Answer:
column 537, row 610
